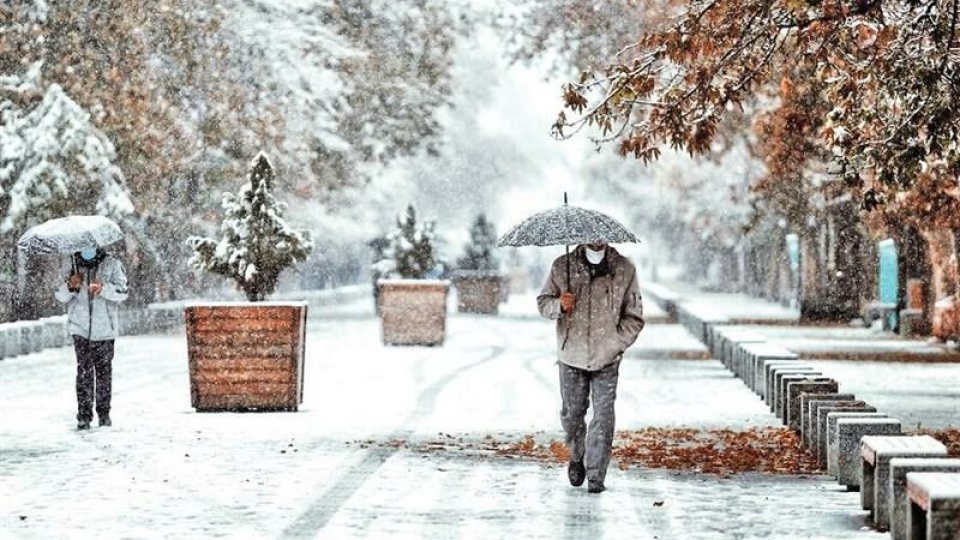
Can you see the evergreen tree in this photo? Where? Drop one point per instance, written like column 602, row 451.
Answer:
column 256, row 243
column 480, row 255
column 410, row 254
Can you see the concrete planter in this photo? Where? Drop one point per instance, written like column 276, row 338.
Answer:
column 246, row 356
column 413, row 312
column 478, row 292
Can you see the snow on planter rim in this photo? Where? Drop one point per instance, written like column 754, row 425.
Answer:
column 238, row 303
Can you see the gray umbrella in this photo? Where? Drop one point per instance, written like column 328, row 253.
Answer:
column 63, row 236
column 69, row 235
column 566, row 225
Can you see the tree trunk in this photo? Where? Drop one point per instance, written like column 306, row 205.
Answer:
column 956, row 256
column 914, row 261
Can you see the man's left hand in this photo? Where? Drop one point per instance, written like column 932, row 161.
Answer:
column 95, row 288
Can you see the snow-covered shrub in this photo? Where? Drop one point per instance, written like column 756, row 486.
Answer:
column 480, row 253
column 256, row 244
column 410, row 253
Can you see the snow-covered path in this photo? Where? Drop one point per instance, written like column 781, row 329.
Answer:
column 164, row 471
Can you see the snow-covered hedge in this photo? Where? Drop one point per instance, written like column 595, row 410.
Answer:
column 256, row 244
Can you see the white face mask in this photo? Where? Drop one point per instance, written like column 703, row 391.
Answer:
column 594, row 257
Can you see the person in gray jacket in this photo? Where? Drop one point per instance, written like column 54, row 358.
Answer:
column 93, row 287
column 594, row 296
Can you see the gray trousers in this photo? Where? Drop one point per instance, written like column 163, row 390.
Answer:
column 577, row 387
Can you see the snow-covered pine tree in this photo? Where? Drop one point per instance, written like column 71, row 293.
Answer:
column 410, row 254
column 256, row 244
column 53, row 160
column 480, row 255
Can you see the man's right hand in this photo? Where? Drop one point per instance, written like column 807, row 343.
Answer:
column 568, row 301
column 74, row 282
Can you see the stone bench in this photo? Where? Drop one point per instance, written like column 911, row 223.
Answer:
column 875, row 454
column 730, row 341
column 753, row 356
column 793, row 411
column 782, row 381
column 826, row 429
column 850, row 431
column 899, row 504
column 809, row 403
column 772, row 374
column 768, row 370
column 934, row 506
column 699, row 318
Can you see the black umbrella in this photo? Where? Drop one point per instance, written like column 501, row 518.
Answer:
column 566, row 225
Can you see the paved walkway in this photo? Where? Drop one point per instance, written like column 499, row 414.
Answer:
column 165, row 471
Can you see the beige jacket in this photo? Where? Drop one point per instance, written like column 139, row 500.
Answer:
column 608, row 314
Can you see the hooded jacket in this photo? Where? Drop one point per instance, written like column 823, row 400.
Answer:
column 607, row 315
column 96, row 319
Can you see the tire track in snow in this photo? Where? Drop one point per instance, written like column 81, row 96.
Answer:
column 326, row 506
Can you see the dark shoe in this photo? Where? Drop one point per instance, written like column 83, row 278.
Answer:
column 596, row 486
column 105, row 420
column 83, row 424
column 576, row 472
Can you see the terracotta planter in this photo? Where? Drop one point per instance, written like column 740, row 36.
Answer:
column 246, row 355
column 413, row 312
column 478, row 292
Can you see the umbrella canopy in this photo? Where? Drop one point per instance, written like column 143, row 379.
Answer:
column 69, row 234
column 567, row 225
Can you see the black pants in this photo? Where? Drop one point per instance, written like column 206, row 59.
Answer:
column 94, row 363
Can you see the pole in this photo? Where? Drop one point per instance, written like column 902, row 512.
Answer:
column 567, row 248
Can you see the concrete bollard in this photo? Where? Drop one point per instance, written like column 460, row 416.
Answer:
column 12, row 337
column 809, row 404
column 812, row 386
column 829, row 440
column 23, row 334
column 59, row 330
column 850, row 431
column 37, row 338
column 898, row 503
column 876, row 454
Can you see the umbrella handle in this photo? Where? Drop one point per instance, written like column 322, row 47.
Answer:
column 568, row 268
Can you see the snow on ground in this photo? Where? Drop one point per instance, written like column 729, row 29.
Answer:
column 165, row 471
column 918, row 394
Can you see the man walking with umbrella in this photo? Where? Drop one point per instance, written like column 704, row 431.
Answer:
column 92, row 285
column 93, row 291
column 594, row 296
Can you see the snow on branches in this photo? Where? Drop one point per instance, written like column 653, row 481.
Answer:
column 256, row 244
column 53, row 160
